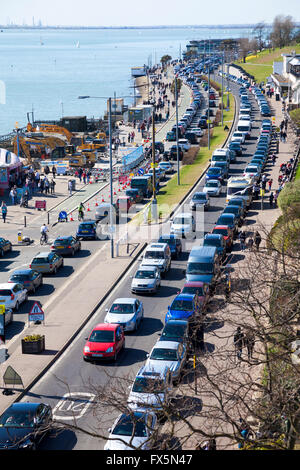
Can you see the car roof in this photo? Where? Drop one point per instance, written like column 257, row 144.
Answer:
column 213, row 235
column 166, row 344
column 147, row 268
column 157, row 246
column 43, row 254
column 184, row 297
column 169, row 235
column 125, row 300
column 63, row 237
column 213, row 181
column 22, row 271
column 194, row 284
column 106, row 326
column 24, row 406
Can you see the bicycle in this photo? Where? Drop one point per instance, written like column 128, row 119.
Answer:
column 80, row 216
column 44, row 239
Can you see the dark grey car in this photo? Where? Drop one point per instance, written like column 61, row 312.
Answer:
column 29, row 278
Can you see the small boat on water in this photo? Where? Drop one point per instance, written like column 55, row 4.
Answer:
column 41, row 42
column 78, row 44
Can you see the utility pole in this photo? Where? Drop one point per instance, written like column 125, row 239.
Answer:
column 208, row 138
column 154, row 201
column 222, row 103
column 111, row 181
column 177, row 136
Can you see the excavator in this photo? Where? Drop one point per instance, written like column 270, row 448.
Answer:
column 21, row 146
column 50, row 129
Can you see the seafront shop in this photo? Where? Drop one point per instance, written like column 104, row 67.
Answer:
column 11, row 171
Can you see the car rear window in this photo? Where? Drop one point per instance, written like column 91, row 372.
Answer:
column 62, row 241
column 40, row 261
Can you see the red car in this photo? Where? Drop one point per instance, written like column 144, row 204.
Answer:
column 105, row 342
column 124, row 203
column 227, row 233
column 197, row 288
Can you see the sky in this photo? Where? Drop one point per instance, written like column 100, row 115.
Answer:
column 142, row 13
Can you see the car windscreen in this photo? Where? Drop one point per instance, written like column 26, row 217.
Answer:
column 182, row 305
column 214, row 170
column 193, row 290
column 162, row 354
column 148, row 385
column 145, row 275
column 181, row 221
column 105, row 336
column 219, row 158
column 169, row 241
column 212, row 184
column 141, row 182
column 86, row 227
column 127, row 426
column 236, row 189
column 212, row 242
column 173, row 331
column 199, row 268
column 154, row 255
column 122, row 308
column 199, row 197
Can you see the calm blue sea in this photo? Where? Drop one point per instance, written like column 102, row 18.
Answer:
column 45, row 71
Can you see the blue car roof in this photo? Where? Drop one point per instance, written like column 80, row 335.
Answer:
column 185, row 296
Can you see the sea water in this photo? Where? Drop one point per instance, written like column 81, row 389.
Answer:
column 44, row 71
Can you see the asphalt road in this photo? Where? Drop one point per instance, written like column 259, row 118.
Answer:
column 70, row 384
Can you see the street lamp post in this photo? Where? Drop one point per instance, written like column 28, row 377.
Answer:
column 177, row 136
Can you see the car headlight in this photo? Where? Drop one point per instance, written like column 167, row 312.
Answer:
column 86, row 349
column 109, row 350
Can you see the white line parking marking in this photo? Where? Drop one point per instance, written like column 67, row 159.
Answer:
column 72, row 406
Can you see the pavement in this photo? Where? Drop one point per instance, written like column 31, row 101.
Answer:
column 68, row 308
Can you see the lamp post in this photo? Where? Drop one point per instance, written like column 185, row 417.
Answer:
column 177, row 136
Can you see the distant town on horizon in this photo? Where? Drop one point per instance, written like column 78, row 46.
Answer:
column 218, row 26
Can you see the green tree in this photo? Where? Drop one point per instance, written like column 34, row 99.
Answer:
column 165, row 60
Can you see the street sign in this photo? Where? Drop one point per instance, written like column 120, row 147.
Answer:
column 36, row 313
column 141, row 171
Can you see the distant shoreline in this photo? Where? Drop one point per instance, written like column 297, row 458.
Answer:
column 221, row 26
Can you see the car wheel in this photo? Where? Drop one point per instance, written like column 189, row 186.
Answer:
column 115, row 357
column 33, row 289
column 54, row 270
column 1, row 253
column 17, row 306
column 73, row 253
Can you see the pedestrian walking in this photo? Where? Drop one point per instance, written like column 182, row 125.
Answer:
column 47, row 186
column 284, row 136
column 257, row 240
column 271, row 199
column 275, row 198
column 273, row 159
column 270, row 182
column 53, row 171
column 52, row 186
column 70, row 187
column 250, row 243
column 4, row 211
column 242, row 238
column 249, row 342
column 238, row 340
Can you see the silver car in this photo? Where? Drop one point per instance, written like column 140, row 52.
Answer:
column 146, row 279
column 127, row 312
column 167, row 354
column 212, row 188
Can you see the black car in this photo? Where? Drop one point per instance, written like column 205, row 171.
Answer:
column 5, row 245
column 202, row 124
column 160, row 146
column 29, row 278
column 178, row 331
column 23, row 425
column 66, row 245
column 135, row 194
column 191, row 137
column 173, row 153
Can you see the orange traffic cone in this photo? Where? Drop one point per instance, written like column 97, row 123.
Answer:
column 88, row 209
column 71, row 217
column 96, row 203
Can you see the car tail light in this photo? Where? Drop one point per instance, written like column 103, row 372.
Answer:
column 12, row 297
column 26, row 282
column 51, row 266
column 69, row 246
column 30, row 266
column 52, row 247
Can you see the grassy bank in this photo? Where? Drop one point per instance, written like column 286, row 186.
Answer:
column 172, row 193
column 261, row 65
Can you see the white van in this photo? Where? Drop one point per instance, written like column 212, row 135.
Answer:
column 245, row 128
column 238, row 186
column 159, row 255
column 220, row 155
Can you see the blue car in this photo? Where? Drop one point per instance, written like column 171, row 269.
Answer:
column 183, row 307
column 87, row 230
column 174, row 242
column 215, row 173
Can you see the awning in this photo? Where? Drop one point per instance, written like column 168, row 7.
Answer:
column 295, row 61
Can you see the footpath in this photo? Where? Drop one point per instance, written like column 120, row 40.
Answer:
column 67, row 309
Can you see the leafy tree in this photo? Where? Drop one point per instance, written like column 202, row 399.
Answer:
column 165, row 60
column 282, row 31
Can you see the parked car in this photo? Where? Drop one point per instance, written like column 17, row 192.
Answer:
column 200, row 199
column 184, row 225
column 230, row 220
column 23, row 425
column 135, row 194
column 127, row 312
column 5, row 246
column 134, row 431
column 177, row 330
column 167, row 167
column 184, row 144
column 106, row 341
column 124, row 203
column 227, row 233
column 47, row 262
column 151, row 390
column 87, row 230
column 198, row 288
column 236, row 210
column 173, row 153
column 184, row 306
column 215, row 173
column 217, row 240
column 29, row 278
column 169, row 354
column 174, row 242
column 213, row 187
column 147, row 279
column 67, row 245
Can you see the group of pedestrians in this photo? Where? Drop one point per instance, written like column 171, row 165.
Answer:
column 252, row 240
